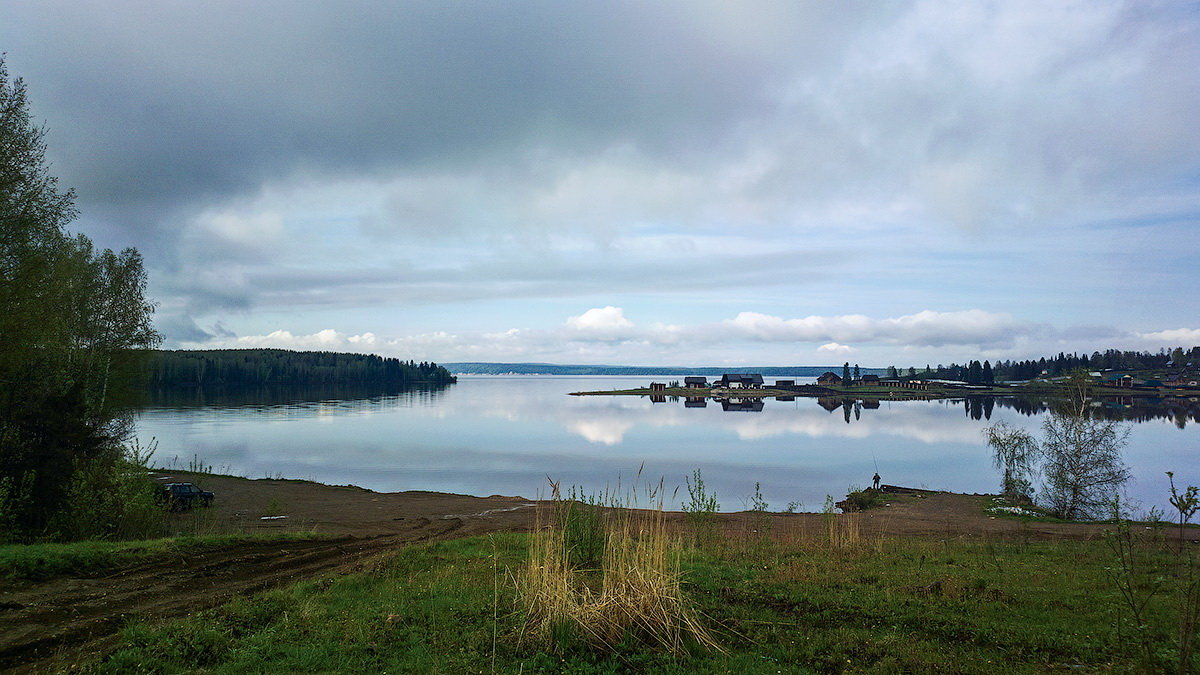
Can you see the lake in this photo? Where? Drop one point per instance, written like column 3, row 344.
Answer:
column 507, row 435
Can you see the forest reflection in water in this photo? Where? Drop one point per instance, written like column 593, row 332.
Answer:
column 269, row 396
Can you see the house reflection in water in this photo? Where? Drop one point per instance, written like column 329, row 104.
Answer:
column 696, row 402
column 851, row 408
column 742, row 405
column 828, row 403
column 658, row 398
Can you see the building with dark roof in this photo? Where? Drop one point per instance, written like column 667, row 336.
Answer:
column 740, row 381
column 829, row 377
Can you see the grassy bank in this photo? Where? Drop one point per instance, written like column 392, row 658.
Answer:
column 775, row 604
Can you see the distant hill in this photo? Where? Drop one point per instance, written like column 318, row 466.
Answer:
column 474, row 368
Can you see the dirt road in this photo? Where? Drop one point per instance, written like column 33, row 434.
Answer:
column 51, row 624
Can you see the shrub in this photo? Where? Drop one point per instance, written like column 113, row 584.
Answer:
column 632, row 596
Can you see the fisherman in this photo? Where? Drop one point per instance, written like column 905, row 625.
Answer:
column 876, row 479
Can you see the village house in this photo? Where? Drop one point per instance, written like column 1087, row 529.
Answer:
column 1120, row 381
column 910, row 384
column 829, row 378
column 695, row 382
column 740, row 381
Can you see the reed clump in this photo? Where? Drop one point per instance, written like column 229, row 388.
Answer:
column 632, row 596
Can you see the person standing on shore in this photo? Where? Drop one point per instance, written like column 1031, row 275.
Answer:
column 876, row 479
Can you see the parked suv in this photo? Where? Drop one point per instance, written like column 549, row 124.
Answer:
column 183, row 496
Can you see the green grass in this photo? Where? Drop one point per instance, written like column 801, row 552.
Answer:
column 882, row 606
column 34, row 562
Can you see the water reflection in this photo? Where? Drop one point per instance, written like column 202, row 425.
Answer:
column 1176, row 410
column 505, row 435
column 273, row 396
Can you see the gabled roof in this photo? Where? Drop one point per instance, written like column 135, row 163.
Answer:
column 751, row 378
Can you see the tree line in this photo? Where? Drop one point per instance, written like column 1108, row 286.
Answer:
column 254, row 367
column 74, row 329
column 1061, row 364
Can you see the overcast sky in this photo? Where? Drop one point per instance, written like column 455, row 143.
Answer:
column 637, row 182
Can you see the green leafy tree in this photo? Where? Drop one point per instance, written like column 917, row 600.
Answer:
column 1015, row 454
column 1078, row 457
column 74, row 327
column 846, row 373
column 974, row 373
column 1084, row 469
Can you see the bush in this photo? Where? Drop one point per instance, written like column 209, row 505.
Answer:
column 861, row 500
column 110, row 501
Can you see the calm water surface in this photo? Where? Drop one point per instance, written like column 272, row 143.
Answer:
column 506, row 435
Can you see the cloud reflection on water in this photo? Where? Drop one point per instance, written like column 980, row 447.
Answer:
column 507, row 435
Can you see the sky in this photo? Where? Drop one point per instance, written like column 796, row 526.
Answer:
column 665, row 183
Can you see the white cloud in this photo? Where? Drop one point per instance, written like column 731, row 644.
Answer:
column 1186, row 337
column 606, row 335
column 835, row 348
column 602, row 323
column 282, row 339
column 926, row 328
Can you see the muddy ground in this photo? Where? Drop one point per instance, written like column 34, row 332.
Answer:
column 51, row 624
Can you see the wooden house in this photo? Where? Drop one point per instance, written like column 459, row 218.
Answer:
column 829, row 378
column 740, row 381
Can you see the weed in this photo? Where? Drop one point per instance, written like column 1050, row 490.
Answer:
column 701, row 509
column 1186, row 503
column 634, row 594
column 1140, row 575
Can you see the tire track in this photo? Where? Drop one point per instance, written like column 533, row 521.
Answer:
column 64, row 620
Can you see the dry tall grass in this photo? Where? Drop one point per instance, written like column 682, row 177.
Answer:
column 842, row 530
column 634, row 595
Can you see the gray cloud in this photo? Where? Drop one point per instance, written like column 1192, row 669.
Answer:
column 168, row 104
column 280, row 155
column 273, row 287
column 157, row 107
